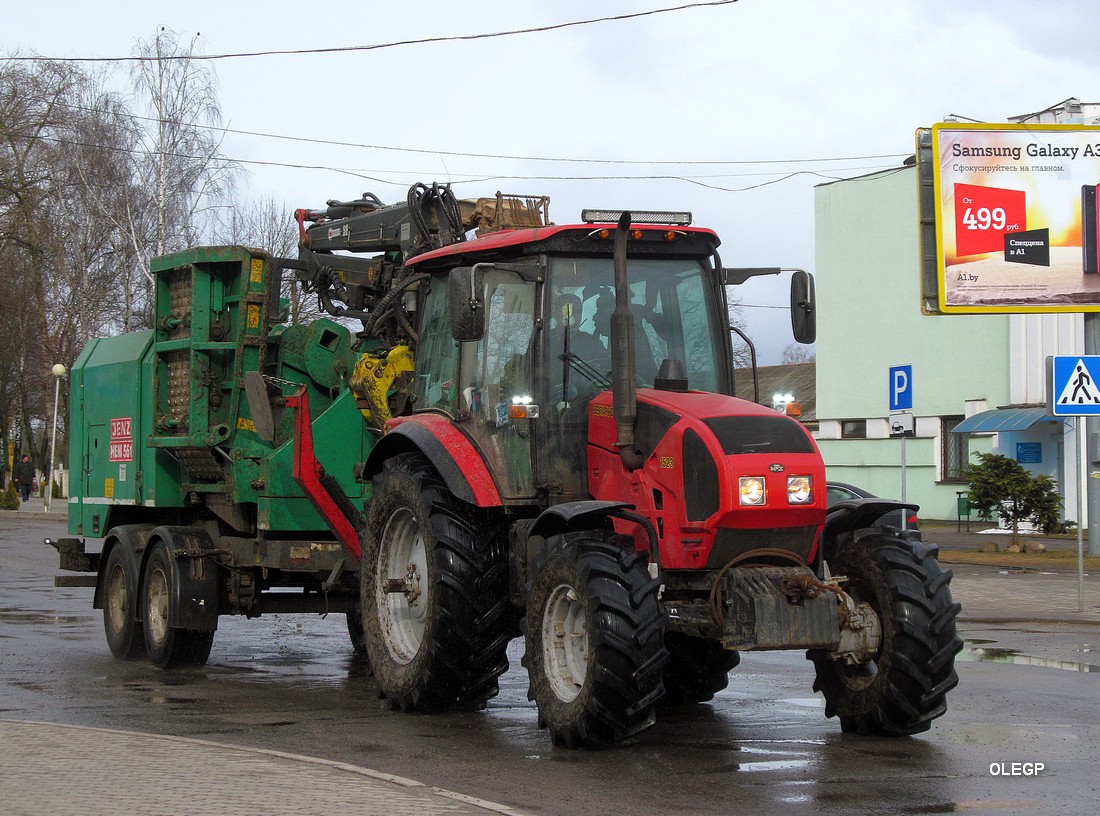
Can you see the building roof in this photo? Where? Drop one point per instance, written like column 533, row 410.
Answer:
column 797, row 379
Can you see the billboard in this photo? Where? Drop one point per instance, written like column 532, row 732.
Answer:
column 1016, row 217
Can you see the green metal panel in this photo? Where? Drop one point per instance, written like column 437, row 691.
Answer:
column 106, row 449
column 159, row 417
column 340, row 442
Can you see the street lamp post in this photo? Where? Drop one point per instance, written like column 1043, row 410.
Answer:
column 58, row 371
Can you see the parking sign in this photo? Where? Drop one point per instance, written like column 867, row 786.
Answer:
column 901, row 388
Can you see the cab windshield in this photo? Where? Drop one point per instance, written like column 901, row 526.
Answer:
column 671, row 321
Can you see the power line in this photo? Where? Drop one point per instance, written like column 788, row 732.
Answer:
column 469, row 179
column 469, row 155
column 379, row 46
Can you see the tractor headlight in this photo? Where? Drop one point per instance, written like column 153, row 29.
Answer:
column 800, row 489
column 752, row 490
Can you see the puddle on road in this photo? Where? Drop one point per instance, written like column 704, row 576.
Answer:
column 976, row 651
column 12, row 615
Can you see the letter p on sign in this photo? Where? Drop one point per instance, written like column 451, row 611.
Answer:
column 901, row 388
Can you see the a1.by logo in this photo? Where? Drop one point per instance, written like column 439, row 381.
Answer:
column 984, row 215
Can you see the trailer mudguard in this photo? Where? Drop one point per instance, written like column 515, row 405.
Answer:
column 194, row 602
column 459, row 463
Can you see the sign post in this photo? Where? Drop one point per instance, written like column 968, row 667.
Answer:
column 900, row 399
column 1073, row 391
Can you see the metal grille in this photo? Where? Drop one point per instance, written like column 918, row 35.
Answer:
column 954, row 450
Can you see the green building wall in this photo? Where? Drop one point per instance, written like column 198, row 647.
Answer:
column 869, row 320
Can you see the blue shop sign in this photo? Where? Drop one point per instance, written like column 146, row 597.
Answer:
column 1029, row 453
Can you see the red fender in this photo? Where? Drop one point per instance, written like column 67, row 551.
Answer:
column 450, row 451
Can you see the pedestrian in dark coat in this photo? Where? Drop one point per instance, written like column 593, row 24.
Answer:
column 24, row 474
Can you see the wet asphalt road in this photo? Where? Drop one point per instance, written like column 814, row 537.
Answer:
column 763, row 746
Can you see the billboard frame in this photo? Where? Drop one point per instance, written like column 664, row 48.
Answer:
column 937, row 216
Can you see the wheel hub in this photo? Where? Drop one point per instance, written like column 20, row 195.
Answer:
column 402, row 571
column 565, row 642
column 116, row 601
column 157, row 606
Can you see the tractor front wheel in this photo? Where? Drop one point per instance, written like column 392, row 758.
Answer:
column 594, row 651
column 903, row 686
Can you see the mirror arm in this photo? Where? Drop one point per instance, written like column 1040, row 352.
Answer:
column 752, row 356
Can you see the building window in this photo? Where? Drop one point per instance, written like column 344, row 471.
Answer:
column 853, row 429
column 954, row 450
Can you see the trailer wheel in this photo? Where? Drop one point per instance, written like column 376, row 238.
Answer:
column 168, row 646
column 593, row 631
column 121, row 591
column 904, row 686
column 698, row 668
column 355, row 631
column 434, row 593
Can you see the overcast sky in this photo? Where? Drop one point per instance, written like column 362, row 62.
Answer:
column 730, row 99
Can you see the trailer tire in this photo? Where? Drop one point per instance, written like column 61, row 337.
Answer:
column 356, row 633
column 121, row 598
column 594, row 652
column 904, row 687
column 169, row 647
column 698, row 668
column 434, row 592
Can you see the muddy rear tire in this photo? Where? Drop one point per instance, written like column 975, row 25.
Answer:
column 904, row 686
column 434, row 593
column 121, row 596
column 594, row 651
column 169, row 647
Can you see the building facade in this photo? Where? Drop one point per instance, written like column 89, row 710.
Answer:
column 988, row 367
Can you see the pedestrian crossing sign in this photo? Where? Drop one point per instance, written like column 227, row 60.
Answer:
column 1074, row 385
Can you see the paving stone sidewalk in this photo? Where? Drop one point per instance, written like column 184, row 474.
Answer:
column 50, row 770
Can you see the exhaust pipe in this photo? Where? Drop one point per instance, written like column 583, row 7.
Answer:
column 623, row 367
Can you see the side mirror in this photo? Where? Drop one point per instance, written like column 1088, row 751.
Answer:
column 467, row 295
column 803, row 307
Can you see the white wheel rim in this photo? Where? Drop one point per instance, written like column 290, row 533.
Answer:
column 117, row 610
column 157, row 617
column 565, row 642
column 402, row 561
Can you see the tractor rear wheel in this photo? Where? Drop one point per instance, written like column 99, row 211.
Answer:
column 594, row 651
column 434, row 592
column 903, row 687
column 698, row 668
column 168, row 646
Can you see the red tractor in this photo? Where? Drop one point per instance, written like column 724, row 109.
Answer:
column 563, row 453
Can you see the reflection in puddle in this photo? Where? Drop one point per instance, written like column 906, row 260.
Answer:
column 10, row 615
column 989, row 654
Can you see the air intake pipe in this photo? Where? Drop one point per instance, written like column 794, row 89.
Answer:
column 623, row 367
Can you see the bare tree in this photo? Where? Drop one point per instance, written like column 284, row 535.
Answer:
column 32, row 108
column 798, row 353
column 268, row 224
column 742, row 356
column 183, row 181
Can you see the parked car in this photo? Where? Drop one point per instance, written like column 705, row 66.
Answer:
column 841, row 491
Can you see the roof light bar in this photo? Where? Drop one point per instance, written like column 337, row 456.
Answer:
column 678, row 219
